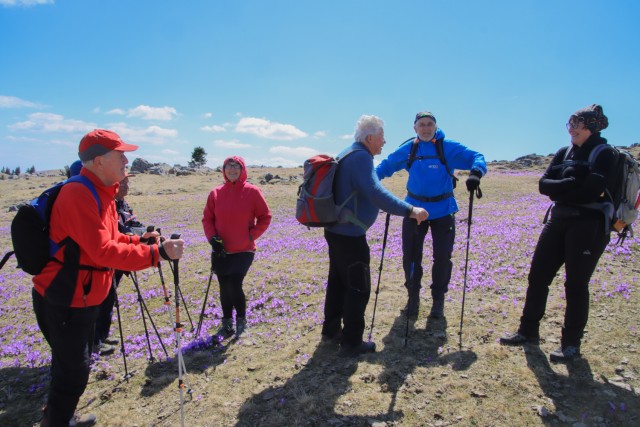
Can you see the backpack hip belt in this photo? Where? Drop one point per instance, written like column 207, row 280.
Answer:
column 430, row 199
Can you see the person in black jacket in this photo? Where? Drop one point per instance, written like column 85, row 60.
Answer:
column 102, row 344
column 575, row 235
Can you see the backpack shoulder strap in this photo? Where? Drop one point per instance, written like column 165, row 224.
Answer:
column 87, row 183
column 599, row 149
column 351, row 151
column 443, row 159
column 412, row 152
column 5, row 258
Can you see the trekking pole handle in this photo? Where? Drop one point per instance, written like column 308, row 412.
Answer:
column 176, row 278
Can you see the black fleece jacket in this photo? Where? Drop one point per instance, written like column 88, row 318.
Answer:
column 574, row 181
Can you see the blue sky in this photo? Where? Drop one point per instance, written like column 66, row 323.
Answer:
column 277, row 81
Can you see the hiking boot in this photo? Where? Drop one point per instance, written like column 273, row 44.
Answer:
column 225, row 330
column 356, row 350
column 77, row 420
column 332, row 339
column 85, row 420
column 437, row 309
column 241, row 325
column 111, row 341
column 565, row 354
column 413, row 305
column 104, row 349
column 518, row 339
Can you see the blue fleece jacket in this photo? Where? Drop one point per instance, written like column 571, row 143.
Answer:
column 356, row 173
column 428, row 177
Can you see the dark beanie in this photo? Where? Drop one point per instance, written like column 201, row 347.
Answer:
column 592, row 117
column 424, row 114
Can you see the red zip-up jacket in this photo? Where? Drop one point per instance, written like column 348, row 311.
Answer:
column 237, row 212
column 75, row 215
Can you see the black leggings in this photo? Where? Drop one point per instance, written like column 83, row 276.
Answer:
column 231, row 271
column 577, row 243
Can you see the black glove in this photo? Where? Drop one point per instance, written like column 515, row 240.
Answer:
column 217, row 247
column 473, row 182
column 577, row 172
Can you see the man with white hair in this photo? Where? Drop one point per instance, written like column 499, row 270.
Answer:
column 349, row 282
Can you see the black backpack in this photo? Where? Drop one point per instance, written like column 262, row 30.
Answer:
column 32, row 245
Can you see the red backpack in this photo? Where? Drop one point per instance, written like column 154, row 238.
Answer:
column 316, row 205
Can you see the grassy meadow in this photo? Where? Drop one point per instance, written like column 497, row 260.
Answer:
column 279, row 374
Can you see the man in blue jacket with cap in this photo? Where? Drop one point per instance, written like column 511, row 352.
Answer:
column 431, row 160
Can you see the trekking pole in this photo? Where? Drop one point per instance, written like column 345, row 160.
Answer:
column 164, row 288
column 384, row 245
column 182, row 371
column 186, row 308
column 466, row 259
column 143, row 309
column 127, row 375
column 204, row 303
column 167, row 301
column 411, row 280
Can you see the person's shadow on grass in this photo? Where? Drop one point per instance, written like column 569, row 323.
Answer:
column 579, row 397
column 408, row 348
column 24, row 393
column 312, row 396
column 198, row 356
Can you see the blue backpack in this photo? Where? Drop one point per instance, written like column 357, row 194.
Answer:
column 32, row 245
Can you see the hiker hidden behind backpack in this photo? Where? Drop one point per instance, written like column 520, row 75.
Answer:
column 316, row 205
column 30, row 229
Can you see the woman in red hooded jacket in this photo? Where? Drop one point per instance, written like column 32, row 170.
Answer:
column 235, row 215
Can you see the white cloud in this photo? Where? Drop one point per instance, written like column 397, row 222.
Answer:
column 10, row 3
column 296, row 152
column 320, row 134
column 213, row 128
column 49, row 122
column 230, row 144
column 146, row 112
column 275, row 161
column 116, row 111
column 269, row 130
column 207, row 115
column 152, row 134
column 14, row 102
column 347, row 136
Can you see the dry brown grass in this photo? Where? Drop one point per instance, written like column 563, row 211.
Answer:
column 280, row 375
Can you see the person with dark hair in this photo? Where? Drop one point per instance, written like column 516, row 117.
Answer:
column 68, row 291
column 349, row 281
column 235, row 216
column 102, row 344
column 431, row 160
column 575, row 235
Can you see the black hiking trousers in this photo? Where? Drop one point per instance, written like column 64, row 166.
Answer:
column 105, row 312
column 578, row 243
column 443, row 234
column 231, row 271
column 348, row 287
column 69, row 332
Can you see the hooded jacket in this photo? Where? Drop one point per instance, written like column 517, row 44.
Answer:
column 100, row 244
column 237, row 212
column 428, row 177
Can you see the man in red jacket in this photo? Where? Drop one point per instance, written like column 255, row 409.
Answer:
column 69, row 290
